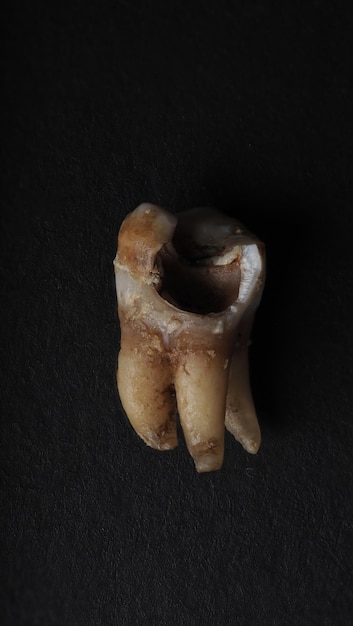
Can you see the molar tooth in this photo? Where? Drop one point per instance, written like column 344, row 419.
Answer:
column 187, row 285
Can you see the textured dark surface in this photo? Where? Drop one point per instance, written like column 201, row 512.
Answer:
column 246, row 106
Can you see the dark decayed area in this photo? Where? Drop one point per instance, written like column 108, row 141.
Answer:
column 245, row 106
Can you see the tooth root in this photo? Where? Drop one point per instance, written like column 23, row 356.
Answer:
column 147, row 393
column 201, row 386
column 240, row 418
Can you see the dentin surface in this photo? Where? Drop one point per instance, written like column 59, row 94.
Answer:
column 187, row 287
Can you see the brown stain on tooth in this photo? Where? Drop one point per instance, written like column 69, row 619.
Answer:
column 142, row 234
column 162, row 436
column 206, row 447
column 145, row 383
column 206, row 455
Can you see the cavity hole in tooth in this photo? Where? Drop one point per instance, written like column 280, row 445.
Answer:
column 201, row 266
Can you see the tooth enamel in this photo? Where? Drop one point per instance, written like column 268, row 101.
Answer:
column 187, row 288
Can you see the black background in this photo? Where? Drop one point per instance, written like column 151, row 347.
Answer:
column 246, row 106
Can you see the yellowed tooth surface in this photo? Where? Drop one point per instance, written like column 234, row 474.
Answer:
column 187, row 286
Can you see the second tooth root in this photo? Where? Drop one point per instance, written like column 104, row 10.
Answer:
column 187, row 287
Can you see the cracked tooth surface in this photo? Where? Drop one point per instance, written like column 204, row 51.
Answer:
column 187, row 288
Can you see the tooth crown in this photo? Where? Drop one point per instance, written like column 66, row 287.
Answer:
column 187, row 289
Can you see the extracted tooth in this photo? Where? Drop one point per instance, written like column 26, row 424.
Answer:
column 187, row 287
